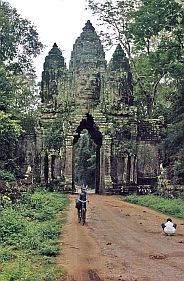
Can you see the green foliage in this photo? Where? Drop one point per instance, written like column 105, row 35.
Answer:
column 6, row 255
column 23, row 269
column 6, row 175
column 18, row 90
column 29, row 237
column 8, row 125
column 160, row 42
column 151, row 33
column 19, row 45
column 11, row 227
column 85, row 161
column 173, row 143
column 19, row 39
column 179, row 166
column 28, row 123
column 6, row 87
column 115, row 16
column 10, row 130
column 153, row 17
column 54, row 135
column 173, row 207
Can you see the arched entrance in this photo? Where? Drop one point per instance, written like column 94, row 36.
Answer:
column 88, row 124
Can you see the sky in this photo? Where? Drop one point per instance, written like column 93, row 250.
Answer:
column 59, row 21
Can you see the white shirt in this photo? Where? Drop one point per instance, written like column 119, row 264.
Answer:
column 169, row 229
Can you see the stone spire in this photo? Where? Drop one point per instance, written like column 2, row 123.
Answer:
column 121, row 78
column 87, row 66
column 54, row 70
column 88, row 51
column 119, row 61
column 54, row 59
column 88, row 26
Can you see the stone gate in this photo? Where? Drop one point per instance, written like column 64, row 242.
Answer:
column 98, row 97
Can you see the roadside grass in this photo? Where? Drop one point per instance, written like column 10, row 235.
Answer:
column 29, row 237
column 172, row 207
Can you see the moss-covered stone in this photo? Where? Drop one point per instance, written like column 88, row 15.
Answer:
column 97, row 97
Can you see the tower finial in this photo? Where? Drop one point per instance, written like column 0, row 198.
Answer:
column 55, row 45
column 88, row 26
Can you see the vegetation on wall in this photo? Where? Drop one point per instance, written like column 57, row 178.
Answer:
column 54, row 135
column 10, row 131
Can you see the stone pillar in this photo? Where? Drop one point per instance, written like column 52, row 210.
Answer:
column 98, row 170
column 37, row 168
column 57, row 168
column 147, row 162
column 50, row 174
column 102, row 170
column 54, row 162
column 42, row 178
column 107, row 162
column 124, row 168
column 133, row 171
column 45, row 168
column 62, row 157
column 114, row 164
column 68, row 163
column 43, row 156
column 128, row 170
column 73, row 169
column 38, row 157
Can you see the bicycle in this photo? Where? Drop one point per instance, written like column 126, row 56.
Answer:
column 82, row 212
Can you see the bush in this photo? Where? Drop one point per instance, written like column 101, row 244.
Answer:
column 50, row 250
column 12, row 227
column 7, row 175
column 173, row 207
column 29, row 237
column 6, row 255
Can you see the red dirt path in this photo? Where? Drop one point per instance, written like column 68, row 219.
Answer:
column 120, row 242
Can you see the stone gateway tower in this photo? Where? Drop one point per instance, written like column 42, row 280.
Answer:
column 97, row 97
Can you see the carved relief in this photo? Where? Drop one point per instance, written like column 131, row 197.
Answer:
column 92, row 96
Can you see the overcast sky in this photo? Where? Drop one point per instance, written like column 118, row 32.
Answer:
column 59, row 21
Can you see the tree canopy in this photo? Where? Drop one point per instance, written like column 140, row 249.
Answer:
column 151, row 33
column 19, row 44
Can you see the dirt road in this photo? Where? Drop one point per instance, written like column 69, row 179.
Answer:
column 120, row 242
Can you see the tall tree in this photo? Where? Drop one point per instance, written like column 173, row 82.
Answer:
column 19, row 44
column 155, row 33
column 163, row 38
column 19, row 40
column 114, row 17
column 147, row 30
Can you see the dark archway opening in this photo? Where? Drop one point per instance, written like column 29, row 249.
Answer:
column 84, row 156
column 88, row 124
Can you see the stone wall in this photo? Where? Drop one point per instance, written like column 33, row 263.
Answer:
column 97, row 97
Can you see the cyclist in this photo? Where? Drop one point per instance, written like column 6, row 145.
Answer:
column 82, row 197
